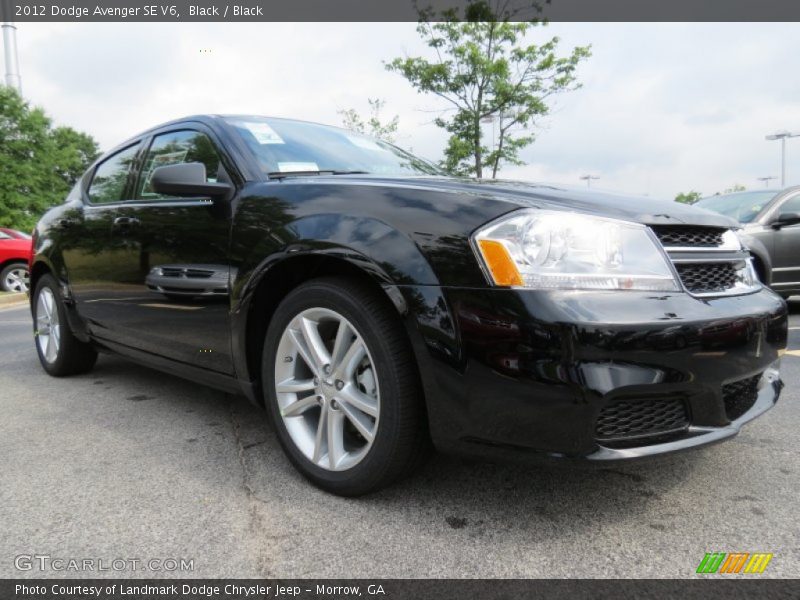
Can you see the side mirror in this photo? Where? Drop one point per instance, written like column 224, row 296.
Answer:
column 186, row 179
column 785, row 219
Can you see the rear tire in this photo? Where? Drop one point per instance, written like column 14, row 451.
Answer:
column 349, row 415
column 60, row 352
column 15, row 278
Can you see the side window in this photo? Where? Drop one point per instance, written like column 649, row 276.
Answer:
column 173, row 148
column 792, row 205
column 111, row 176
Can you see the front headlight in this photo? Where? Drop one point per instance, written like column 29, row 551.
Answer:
column 562, row 250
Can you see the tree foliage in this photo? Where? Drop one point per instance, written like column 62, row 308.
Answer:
column 485, row 68
column 39, row 163
column 736, row 187
column 373, row 125
column 688, row 197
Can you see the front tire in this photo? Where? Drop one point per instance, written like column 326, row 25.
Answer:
column 15, row 278
column 342, row 389
column 60, row 352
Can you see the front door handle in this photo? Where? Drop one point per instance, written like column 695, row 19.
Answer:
column 125, row 222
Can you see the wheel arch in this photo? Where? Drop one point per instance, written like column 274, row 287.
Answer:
column 263, row 293
column 38, row 269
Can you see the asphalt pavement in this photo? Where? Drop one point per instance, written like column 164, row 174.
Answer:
column 128, row 463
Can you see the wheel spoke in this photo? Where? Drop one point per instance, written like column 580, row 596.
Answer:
column 354, row 355
column 293, row 385
column 344, row 337
column 335, row 437
column 303, row 351
column 360, row 421
column 42, row 325
column 352, row 396
column 51, row 348
column 319, row 441
column 314, row 342
column 298, row 407
column 46, row 304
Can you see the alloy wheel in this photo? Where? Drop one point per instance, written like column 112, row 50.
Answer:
column 48, row 329
column 327, row 389
column 17, row 280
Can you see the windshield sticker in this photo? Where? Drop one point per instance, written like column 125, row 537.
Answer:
column 365, row 143
column 263, row 133
column 297, row 167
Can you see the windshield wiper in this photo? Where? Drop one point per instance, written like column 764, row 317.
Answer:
column 284, row 174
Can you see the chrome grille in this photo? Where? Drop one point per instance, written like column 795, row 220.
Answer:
column 689, row 236
column 709, row 260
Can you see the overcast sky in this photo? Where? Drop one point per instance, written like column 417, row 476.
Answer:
column 664, row 108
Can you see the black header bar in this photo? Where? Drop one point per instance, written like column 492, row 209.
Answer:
column 394, row 10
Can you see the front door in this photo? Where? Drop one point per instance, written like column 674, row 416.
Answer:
column 176, row 272
column 786, row 259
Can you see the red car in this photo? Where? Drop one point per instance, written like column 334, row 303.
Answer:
column 15, row 251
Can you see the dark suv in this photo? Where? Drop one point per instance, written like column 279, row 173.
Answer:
column 374, row 305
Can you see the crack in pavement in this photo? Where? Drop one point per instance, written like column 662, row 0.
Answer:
column 259, row 506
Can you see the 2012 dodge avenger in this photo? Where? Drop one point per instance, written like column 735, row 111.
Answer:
column 374, row 305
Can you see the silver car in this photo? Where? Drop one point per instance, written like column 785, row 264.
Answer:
column 771, row 228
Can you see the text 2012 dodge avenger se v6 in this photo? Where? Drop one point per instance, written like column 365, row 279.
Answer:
column 372, row 304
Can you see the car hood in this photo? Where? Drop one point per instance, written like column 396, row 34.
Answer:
column 528, row 195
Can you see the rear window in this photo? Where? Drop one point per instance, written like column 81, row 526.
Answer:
column 111, row 176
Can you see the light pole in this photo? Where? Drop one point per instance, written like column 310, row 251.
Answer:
column 588, row 179
column 766, row 179
column 10, row 47
column 782, row 135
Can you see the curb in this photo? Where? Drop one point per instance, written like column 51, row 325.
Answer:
column 10, row 300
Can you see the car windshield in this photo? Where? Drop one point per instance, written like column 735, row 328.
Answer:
column 282, row 147
column 743, row 206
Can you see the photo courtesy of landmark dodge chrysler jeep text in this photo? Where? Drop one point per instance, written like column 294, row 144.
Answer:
column 374, row 305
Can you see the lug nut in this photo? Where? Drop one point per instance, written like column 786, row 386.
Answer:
column 320, row 400
column 327, row 369
column 316, row 380
column 339, row 384
column 334, row 404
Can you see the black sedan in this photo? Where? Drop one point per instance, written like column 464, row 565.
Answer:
column 374, row 305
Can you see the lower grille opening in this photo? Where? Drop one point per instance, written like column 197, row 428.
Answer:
column 707, row 278
column 739, row 396
column 641, row 421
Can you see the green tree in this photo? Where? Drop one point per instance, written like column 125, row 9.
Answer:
column 39, row 163
column 485, row 68
column 737, row 187
column 688, row 197
column 373, row 125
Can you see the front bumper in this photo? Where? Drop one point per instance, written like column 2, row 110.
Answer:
column 534, row 373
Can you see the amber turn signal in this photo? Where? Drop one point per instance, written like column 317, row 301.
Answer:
column 500, row 264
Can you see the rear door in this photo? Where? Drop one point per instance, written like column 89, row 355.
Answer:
column 92, row 258
column 786, row 259
column 176, row 272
